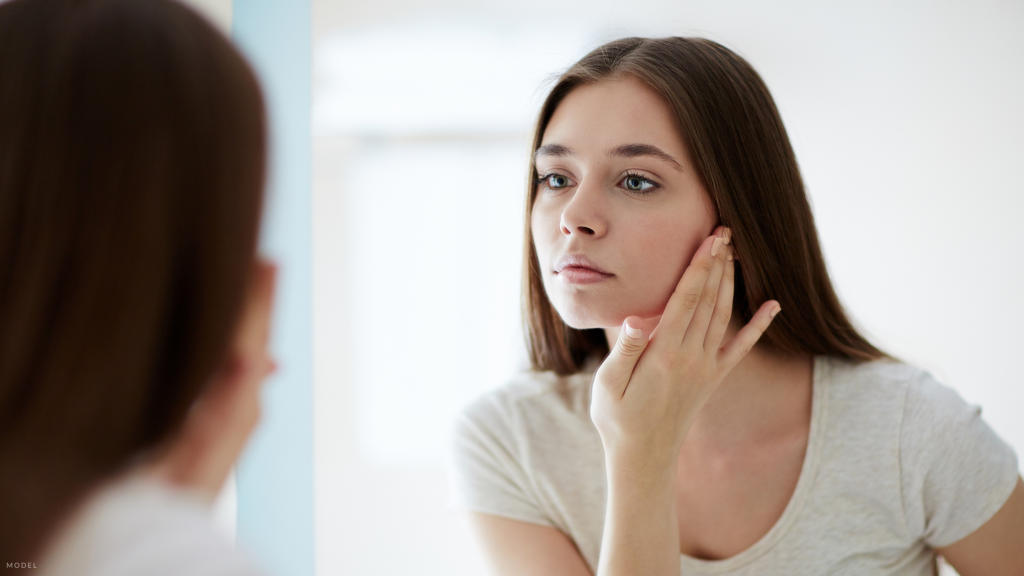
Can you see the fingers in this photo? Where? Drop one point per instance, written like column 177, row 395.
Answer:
column 696, row 332
column 254, row 325
column 249, row 359
column 618, row 367
column 723, row 309
column 266, row 286
column 685, row 299
column 744, row 340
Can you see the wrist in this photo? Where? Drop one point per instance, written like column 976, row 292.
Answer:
column 657, row 454
column 645, row 470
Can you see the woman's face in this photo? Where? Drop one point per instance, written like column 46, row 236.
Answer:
column 619, row 210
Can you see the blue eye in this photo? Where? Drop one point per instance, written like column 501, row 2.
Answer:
column 637, row 183
column 555, row 181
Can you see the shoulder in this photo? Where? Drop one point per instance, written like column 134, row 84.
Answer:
column 530, row 401
column 515, row 444
column 888, row 390
column 931, row 404
column 889, row 397
column 856, row 421
column 864, row 401
column 941, row 433
column 953, row 471
column 911, row 387
column 897, row 444
column 143, row 526
column 868, row 381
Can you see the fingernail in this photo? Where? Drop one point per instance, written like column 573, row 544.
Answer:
column 715, row 246
column 775, row 311
column 633, row 332
column 727, row 235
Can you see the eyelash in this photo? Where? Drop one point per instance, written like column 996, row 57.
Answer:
column 543, row 180
column 630, row 174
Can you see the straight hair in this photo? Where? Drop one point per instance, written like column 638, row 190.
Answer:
column 742, row 155
column 132, row 152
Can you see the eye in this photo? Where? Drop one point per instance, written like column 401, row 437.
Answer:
column 638, row 184
column 555, row 181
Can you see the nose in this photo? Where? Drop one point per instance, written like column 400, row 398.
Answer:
column 585, row 213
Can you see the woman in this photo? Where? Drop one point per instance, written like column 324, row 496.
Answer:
column 135, row 311
column 739, row 424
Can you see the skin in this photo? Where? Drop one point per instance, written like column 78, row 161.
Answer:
column 596, row 213
column 219, row 426
column 689, row 409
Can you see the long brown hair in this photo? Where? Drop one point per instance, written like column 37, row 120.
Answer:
column 742, row 154
column 132, row 152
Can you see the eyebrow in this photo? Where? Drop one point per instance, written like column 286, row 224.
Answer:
column 553, row 150
column 624, row 151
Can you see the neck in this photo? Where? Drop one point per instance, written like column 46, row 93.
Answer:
column 765, row 397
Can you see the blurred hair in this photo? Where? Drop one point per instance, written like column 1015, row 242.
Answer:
column 132, row 152
column 742, row 155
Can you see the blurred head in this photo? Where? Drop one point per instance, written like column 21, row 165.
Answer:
column 132, row 152
column 641, row 149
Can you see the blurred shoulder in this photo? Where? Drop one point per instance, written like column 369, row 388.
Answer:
column 144, row 526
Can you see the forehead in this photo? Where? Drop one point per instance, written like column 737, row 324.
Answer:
column 606, row 114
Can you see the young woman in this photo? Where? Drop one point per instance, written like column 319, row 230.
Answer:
column 134, row 310
column 739, row 424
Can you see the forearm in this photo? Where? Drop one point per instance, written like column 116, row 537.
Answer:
column 645, row 396
column 641, row 530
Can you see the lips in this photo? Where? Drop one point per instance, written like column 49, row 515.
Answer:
column 578, row 269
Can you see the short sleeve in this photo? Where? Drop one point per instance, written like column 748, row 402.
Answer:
column 485, row 466
column 956, row 472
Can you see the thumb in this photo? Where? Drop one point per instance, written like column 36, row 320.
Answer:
column 617, row 368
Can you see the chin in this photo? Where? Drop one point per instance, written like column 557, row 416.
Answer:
column 585, row 317
column 586, row 324
column 589, row 317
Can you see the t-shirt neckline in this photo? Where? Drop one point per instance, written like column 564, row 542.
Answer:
column 819, row 404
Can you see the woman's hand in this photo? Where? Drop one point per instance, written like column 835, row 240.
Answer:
column 649, row 390
column 646, row 395
column 219, row 424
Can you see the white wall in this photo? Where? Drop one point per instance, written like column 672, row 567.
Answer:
column 218, row 11
column 906, row 121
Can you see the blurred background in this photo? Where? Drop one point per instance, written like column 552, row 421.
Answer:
column 907, row 122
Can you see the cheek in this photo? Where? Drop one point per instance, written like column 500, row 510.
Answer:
column 661, row 252
column 544, row 225
column 669, row 249
column 252, row 411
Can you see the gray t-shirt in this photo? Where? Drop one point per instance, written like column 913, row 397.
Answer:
column 896, row 465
